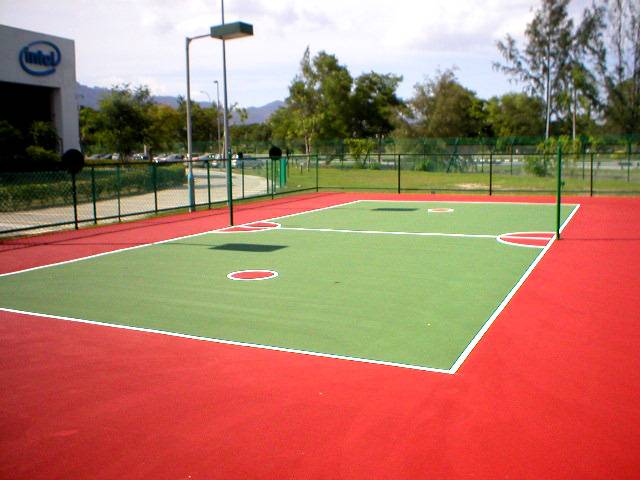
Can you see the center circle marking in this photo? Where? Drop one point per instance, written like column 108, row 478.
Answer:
column 249, row 275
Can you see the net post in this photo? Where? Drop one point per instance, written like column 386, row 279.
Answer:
column 154, row 177
column 399, row 160
column 93, row 195
column 209, row 182
column 559, row 189
column 490, row 173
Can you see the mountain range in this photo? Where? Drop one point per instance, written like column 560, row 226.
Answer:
column 90, row 97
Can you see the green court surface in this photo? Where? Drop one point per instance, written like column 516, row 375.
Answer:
column 353, row 281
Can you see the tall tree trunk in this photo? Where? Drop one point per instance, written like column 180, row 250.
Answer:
column 548, row 99
column 573, row 113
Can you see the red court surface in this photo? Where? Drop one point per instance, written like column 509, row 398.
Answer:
column 552, row 391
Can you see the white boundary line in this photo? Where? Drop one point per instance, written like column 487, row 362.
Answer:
column 451, row 371
column 157, row 243
column 227, row 342
column 381, row 232
column 515, row 235
column 465, row 353
column 463, row 201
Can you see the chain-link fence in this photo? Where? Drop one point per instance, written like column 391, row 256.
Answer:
column 116, row 191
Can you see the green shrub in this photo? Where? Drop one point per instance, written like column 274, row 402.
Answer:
column 538, row 166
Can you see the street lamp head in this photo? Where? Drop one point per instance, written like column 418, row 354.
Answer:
column 229, row 31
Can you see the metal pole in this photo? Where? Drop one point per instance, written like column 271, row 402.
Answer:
column 218, row 115
column 225, row 119
column 591, row 176
column 93, row 194
column 490, row 173
column 74, row 190
column 559, row 194
column 154, row 173
column 192, row 200
column 398, row 173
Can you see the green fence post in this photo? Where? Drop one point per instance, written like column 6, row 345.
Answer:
column 511, row 160
column 591, row 177
column 118, row 192
column 558, row 193
column 628, row 161
column 154, row 173
column 209, row 183
column 399, row 160
column 273, row 179
column 242, row 170
column 490, row 173
column 74, row 191
column 267, row 173
column 317, row 174
column 93, row 194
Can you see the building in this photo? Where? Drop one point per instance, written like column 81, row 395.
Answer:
column 38, row 82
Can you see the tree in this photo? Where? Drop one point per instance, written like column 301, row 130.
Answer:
column 124, row 118
column 318, row 101
column 622, row 79
column 373, row 104
column 444, row 108
column 586, row 52
column 543, row 64
column 516, row 114
column 164, row 128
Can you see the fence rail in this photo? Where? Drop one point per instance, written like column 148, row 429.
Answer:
column 31, row 201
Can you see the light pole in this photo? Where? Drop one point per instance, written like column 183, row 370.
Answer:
column 225, row 32
column 209, row 98
column 218, row 114
column 192, row 196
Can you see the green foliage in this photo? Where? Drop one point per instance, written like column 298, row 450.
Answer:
column 620, row 72
column 444, row 108
column 41, row 156
column 373, row 104
column 124, row 118
column 359, row 149
column 556, row 62
column 11, row 141
column 516, row 114
column 44, row 135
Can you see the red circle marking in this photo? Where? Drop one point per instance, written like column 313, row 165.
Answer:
column 238, row 229
column 263, row 225
column 252, row 275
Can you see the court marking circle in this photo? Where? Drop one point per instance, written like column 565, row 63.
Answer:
column 440, row 210
column 526, row 239
column 250, row 227
column 250, row 275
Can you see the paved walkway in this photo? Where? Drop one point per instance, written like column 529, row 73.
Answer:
column 168, row 198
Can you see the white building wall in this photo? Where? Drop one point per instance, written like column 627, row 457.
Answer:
column 63, row 79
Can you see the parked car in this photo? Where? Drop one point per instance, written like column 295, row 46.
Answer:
column 172, row 157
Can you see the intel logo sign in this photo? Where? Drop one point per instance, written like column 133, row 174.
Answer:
column 40, row 58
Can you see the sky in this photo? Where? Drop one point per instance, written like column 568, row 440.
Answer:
column 142, row 42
